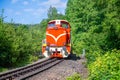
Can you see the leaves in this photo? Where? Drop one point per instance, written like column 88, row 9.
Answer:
column 95, row 28
column 106, row 67
column 18, row 44
column 76, row 76
column 54, row 14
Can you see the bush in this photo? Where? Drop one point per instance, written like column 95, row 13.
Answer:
column 74, row 77
column 106, row 67
column 3, row 69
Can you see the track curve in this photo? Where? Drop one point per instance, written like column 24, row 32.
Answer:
column 30, row 70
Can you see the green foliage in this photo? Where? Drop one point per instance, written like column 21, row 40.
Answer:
column 96, row 28
column 111, row 24
column 74, row 77
column 54, row 14
column 6, row 39
column 19, row 44
column 3, row 69
column 95, row 25
column 83, row 17
column 106, row 67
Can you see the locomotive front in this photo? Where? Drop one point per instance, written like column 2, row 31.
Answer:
column 57, row 42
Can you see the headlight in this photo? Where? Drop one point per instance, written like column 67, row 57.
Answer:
column 44, row 45
column 68, row 44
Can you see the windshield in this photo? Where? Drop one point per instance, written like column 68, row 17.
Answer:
column 51, row 25
column 64, row 25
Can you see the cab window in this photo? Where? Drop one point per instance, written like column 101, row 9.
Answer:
column 64, row 25
column 51, row 25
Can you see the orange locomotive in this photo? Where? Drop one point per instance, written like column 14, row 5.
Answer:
column 57, row 42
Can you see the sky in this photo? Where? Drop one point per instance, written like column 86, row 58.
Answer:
column 29, row 11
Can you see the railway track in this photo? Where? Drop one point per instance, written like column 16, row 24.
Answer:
column 30, row 70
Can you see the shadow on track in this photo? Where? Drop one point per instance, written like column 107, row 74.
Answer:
column 73, row 57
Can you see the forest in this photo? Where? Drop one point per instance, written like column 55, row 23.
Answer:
column 95, row 27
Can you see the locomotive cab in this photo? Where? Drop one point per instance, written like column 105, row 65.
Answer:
column 57, row 42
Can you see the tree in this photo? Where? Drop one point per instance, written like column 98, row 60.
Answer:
column 53, row 14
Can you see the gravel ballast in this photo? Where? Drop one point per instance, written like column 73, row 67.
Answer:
column 64, row 69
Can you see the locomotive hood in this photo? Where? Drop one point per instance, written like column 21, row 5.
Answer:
column 56, row 37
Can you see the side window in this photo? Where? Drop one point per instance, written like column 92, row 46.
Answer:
column 64, row 25
column 51, row 24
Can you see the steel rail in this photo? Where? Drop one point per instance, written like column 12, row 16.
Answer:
column 29, row 70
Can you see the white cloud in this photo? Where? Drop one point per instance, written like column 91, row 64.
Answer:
column 25, row 2
column 39, row 12
column 14, row 1
column 35, row 12
column 54, row 3
column 42, row 8
column 59, row 4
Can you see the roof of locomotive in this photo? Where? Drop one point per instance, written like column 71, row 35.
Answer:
column 57, row 21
